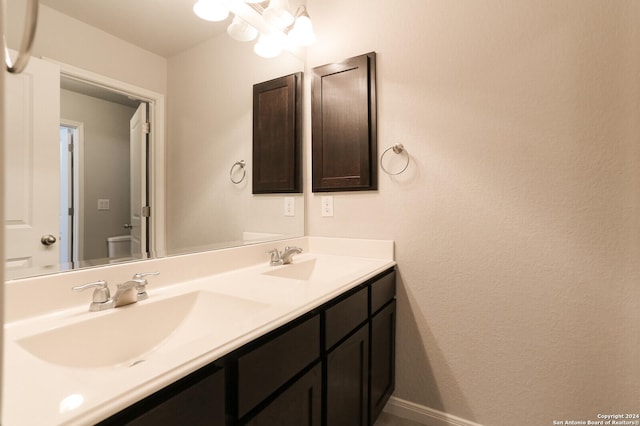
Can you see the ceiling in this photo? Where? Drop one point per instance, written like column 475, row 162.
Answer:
column 165, row 27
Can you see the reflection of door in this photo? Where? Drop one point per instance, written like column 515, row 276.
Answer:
column 139, row 206
column 32, row 114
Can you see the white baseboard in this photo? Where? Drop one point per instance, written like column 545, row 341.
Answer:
column 424, row 415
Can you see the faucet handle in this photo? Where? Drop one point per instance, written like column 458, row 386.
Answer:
column 142, row 283
column 101, row 293
column 275, row 257
column 141, row 275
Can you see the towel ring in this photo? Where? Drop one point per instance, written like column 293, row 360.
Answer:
column 242, row 165
column 397, row 149
column 27, row 40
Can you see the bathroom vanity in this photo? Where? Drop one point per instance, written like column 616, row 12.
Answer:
column 238, row 342
column 278, row 378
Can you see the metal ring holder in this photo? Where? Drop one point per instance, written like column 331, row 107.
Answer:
column 27, row 40
column 397, row 149
column 242, row 165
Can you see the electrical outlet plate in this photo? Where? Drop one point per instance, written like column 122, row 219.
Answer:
column 327, row 206
column 289, row 206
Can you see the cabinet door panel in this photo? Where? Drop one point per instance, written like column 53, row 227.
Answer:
column 347, row 381
column 382, row 291
column 343, row 115
column 345, row 316
column 383, row 331
column 299, row 405
column 277, row 135
column 266, row 368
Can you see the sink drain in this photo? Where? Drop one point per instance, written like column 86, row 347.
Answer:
column 136, row 363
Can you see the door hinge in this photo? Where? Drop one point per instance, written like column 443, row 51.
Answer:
column 146, row 211
column 70, row 211
column 70, row 147
column 146, row 127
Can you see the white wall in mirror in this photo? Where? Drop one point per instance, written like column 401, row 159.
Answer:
column 208, row 136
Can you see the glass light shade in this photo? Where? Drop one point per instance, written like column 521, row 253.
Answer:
column 277, row 14
column 267, row 47
column 240, row 30
column 302, row 31
column 253, row 1
column 211, row 10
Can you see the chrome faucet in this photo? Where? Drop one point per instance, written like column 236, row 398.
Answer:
column 288, row 253
column 128, row 292
column 284, row 257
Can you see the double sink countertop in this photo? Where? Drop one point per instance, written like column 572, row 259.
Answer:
column 66, row 365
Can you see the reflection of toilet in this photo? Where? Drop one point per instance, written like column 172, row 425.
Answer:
column 119, row 246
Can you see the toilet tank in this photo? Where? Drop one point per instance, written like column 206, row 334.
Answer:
column 119, row 246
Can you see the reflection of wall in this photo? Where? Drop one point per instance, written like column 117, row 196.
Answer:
column 106, row 165
column 517, row 225
column 75, row 43
column 210, row 92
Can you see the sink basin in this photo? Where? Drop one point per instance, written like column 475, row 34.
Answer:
column 318, row 268
column 296, row 271
column 124, row 336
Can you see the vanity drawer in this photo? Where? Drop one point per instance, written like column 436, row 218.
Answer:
column 263, row 370
column 344, row 316
column 382, row 291
column 198, row 399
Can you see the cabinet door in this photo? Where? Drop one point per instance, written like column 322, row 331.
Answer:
column 299, row 405
column 344, row 130
column 277, row 135
column 383, row 332
column 347, row 381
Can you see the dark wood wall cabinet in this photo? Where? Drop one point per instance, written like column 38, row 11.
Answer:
column 333, row 366
column 344, row 127
column 277, row 135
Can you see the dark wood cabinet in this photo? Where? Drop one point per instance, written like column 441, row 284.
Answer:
column 263, row 370
column 198, row 399
column 333, row 366
column 344, row 129
column 345, row 316
column 277, row 135
column 383, row 336
column 299, row 405
column 348, row 380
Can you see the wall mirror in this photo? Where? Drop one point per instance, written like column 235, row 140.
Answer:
column 204, row 80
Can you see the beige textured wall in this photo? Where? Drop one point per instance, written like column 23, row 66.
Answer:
column 517, row 225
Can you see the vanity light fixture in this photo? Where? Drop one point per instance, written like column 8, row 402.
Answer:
column 267, row 47
column 278, row 15
column 240, row 30
column 302, row 30
column 211, row 10
column 277, row 26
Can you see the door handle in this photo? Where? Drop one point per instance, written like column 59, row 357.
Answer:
column 127, row 226
column 47, row 240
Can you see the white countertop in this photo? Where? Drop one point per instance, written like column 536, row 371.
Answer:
column 46, row 393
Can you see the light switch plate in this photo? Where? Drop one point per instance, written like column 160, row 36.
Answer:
column 327, row 206
column 103, row 204
column 289, row 206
